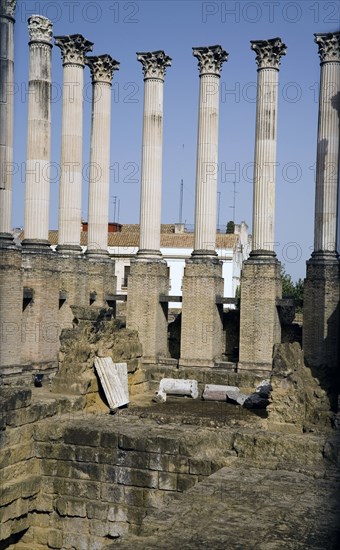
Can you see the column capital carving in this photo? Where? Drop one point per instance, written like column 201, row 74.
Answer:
column 329, row 46
column 154, row 64
column 73, row 48
column 40, row 29
column 7, row 8
column 268, row 52
column 210, row 59
column 102, row 67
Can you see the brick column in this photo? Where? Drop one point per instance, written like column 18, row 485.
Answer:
column 322, row 288
column 102, row 69
column 202, row 323
column 261, row 285
column 7, row 10
column 37, row 201
column 149, row 276
column 73, row 50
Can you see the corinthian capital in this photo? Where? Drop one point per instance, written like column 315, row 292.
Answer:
column 268, row 52
column 329, row 46
column 7, row 7
column 73, row 48
column 102, row 67
column 210, row 59
column 40, row 29
column 154, row 63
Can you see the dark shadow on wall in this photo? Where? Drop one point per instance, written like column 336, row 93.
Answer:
column 13, row 539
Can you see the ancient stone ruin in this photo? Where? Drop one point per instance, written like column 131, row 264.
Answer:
column 255, row 465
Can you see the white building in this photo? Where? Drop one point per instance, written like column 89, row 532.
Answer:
column 176, row 247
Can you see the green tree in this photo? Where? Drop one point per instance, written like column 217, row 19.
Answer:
column 291, row 289
column 230, row 227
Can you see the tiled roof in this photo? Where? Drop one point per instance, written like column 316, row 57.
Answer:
column 130, row 238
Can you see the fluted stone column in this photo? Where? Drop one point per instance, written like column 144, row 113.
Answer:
column 154, row 67
column 7, row 10
column 102, row 69
column 149, row 276
column 38, row 133
column 261, row 286
column 73, row 51
column 322, row 292
column 202, row 286
column 210, row 61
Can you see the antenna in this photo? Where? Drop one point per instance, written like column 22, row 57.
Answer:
column 234, row 201
column 181, row 202
column 114, row 200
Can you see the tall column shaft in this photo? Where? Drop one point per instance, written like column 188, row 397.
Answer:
column 38, row 132
column 7, row 9
column 73, row 49
column 206, row 167
column 102, row 69
column 154, row 66
column 210, row 61
column 150, row 213
column 268, row 58
column 327, row 160
column 264, row 161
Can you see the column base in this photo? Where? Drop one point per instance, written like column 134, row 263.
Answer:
column 36, row 244
column 321, row 311
column 260, row 327
column 69, row 249
column 149, row 254
column 97, row 254
column 145, row 313
column 202, row 318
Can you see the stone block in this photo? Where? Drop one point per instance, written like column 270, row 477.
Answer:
column 179, row 464
column 159, row 462
column 55, row 539
column 133, row 459
column 99, row 528
column 109, row 440
column 133, row 496
column 117, row 513
column 167, row 481
column 200, row 467
column 76, row 507
column 112, row 493
column 138, row 478
column 86, row 454
column 185, row 482
column 97, row 510
column 110, row 474
column 82, row 435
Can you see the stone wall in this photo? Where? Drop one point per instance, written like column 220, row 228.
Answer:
column 20, row 471
column 37, row 291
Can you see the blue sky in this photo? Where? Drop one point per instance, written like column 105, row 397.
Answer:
column 121, row 28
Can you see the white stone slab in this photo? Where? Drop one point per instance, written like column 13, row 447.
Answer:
column 216, row 392
column 114, row 379
column 179, row 386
